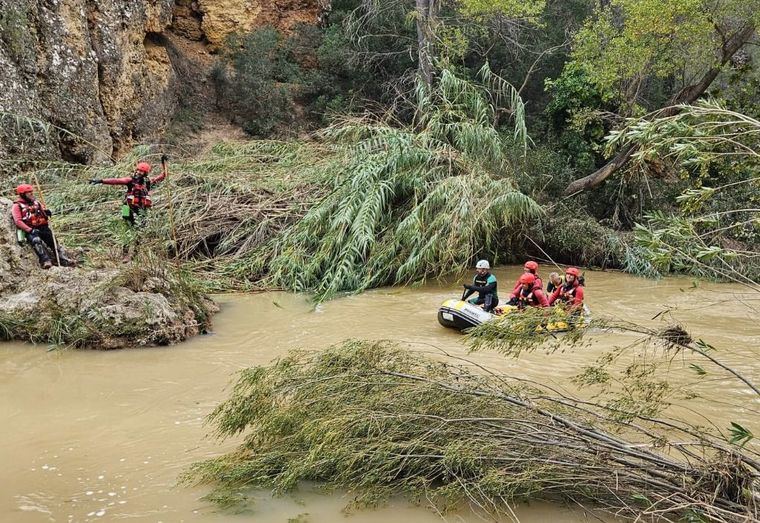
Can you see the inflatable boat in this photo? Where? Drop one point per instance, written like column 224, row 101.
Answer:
column 461, row 315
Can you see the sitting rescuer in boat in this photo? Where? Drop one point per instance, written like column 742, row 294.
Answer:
column 137, row 199
column 571, row 292
column 530, row 267
column 32, row 224
column 555, row 281
column 530, row 293
column 484, row 283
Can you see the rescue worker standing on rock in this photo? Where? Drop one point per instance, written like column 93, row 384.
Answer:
column 484, row 283
column 571, row 293
column 137, row 198
column 31, row 219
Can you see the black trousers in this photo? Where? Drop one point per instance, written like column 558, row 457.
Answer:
column 488, row 301
column 40, row 241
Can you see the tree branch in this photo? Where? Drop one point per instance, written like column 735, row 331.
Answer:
column 687, row 95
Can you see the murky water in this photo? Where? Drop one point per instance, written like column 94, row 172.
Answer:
column 102, row 436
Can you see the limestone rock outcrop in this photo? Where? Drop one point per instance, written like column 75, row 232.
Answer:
column 83, row 80
column 111, row 308
column 95, row 68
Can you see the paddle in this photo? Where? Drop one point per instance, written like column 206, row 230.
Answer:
column 165, row 168
column 42, row 199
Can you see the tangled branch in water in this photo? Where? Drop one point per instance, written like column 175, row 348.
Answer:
column 379, row 420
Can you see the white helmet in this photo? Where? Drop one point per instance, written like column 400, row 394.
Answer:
column 483, row 264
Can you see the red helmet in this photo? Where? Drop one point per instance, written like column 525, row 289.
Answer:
column 531, row 266
column 573, row 271
column 24, row 188
column 143, row 167
column 528, row 278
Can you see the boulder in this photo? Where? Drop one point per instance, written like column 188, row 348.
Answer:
column 136, row 305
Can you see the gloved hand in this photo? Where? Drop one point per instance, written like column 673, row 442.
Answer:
column 33, row 233
column 164, row 158
column 512, row 302
column 95, row 181
column 48, row 213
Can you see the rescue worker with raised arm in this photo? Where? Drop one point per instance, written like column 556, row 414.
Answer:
column 31, row 219
column 484, row 283
column 571, row 293
column 139, row 184
column 530, row 294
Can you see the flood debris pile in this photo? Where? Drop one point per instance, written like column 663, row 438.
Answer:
column 144, row 303
column 379, row 420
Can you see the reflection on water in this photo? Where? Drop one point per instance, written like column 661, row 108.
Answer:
column 97, row 436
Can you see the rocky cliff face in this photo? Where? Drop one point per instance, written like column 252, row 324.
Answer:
column 214, row 20
column 91, row 67
column 101, row 69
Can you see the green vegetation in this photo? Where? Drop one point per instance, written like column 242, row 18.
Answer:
column 379, row 420
column 409, row 202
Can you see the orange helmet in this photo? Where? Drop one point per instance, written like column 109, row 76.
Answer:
column 24, row 188
column 528, row 278
column 143, row 167
column 531, row 266
column 573, row 271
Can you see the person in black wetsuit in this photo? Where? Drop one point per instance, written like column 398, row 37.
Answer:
column 484, row 283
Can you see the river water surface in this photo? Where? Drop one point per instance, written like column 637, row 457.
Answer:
column 102, row 436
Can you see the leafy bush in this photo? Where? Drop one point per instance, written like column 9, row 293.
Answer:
column 273, row 83
column 254, row 80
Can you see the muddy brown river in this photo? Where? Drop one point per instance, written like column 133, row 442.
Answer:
column 102, row 436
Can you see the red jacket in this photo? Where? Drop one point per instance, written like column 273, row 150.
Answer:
column 537, row 285
column 28, row 216
column 534, row 298
column 138, row 194
column 573, row 296
column 128, row 179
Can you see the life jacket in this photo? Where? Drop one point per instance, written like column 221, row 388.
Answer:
column 138, row 193
column 487, row 278
column 567, row 291
column 32, row 214
column 529, row 299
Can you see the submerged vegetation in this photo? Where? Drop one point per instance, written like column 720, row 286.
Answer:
column 379, row 420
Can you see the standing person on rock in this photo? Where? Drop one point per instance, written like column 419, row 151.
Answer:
column 31, row 219
column 137, row 199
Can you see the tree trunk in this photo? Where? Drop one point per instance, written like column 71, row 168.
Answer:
column 687, row 95
column 424, row 50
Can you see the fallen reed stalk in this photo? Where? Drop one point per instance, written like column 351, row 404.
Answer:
column 378, row 421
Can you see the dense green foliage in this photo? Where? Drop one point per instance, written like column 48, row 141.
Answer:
column 396, row 187
column 410, row 202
